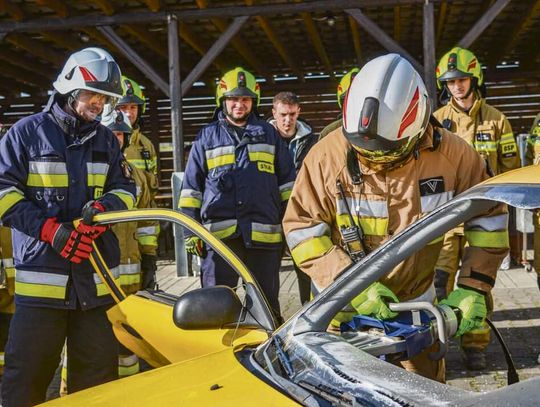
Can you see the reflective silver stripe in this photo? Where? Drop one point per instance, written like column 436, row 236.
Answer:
column 46, row 167
column 216, row 152
column 9, row 190
column 8, row 262
column 115, row 271
column 127, row 361
column 133, row 268
column 97, row 168
column 489, row 224
column 431, row 202
column 265, row 228
column 295, row 237
column 1, row 358
column 224, row 224
column 138, row 190
column 147, row 230
column 40, row 277
column 375, row 209
column 191, row 193
column 284, row 187
column 122, row 191
column 264, row 148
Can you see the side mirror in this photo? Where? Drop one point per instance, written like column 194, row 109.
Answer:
column 207, row 308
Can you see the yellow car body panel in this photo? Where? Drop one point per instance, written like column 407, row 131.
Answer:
column 160, row 341
column 526, row 175
column 214, row 380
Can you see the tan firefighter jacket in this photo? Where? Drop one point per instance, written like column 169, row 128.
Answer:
column 141, row 153
column 7, row 272
column 384, row 204
column 486, row 129
column 533, row 143
column 130, row 235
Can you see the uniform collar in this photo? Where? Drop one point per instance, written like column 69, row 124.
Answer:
column 473, row 111
column 253, row 126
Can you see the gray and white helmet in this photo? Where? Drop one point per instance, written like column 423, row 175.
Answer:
column 93, row 69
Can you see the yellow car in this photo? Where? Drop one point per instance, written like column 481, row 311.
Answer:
column 213, row 346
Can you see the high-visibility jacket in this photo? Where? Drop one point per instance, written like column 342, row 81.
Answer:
column 7, row 287
column 239, row 187
column 533, row 143
column 132, row 239
column 486, row 129
column 385, row 203
column 51, row 165
column 141, row 153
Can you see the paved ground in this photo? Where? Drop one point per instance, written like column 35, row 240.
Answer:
column 517, row 317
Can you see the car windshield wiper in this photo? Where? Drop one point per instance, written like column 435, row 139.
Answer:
column 283, row 357
column 334, row 396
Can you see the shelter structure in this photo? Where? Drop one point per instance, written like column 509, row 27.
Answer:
column 178, row 49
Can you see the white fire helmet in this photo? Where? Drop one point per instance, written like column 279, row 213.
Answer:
column 386, row 109
column 93, row 69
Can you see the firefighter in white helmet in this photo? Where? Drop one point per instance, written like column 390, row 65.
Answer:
column 391, row 165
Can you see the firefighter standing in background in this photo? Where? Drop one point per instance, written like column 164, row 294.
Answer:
column 486, row 129
column 533, row 157
column 238, row 179
column 56, row 166
column 7, row 289
column 385, row 168
column 141, row 154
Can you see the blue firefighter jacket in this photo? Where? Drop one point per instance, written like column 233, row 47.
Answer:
column 239, row 186
column 51, row 165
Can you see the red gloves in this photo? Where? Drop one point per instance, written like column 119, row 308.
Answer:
column 86, row 226
column 68, row 242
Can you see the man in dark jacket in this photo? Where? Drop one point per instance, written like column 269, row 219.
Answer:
column 238, row 179
column 56, row 166
column 300, row 138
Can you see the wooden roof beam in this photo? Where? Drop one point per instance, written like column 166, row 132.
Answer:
column 14, row 10
column 441, row 21
column 383, row 38
column 276, row 42
column 105, row 6
column 39, row 50
column 153, row 5
column 147, row 39
column 313, row 33
column 482, row 23
column 63, row 40
column 529, row 18
column 57, row 6
column 241, row 47
column 191, row 39
column 397, row 23
column 355, row 33
column 24, row 76
column 30, row 64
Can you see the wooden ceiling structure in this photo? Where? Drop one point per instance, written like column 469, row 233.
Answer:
column 297, row 45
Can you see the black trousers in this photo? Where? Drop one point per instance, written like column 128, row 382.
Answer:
column 35, row 342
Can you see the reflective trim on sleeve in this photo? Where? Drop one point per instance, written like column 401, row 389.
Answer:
column 190, row 198
column 125, row 196
column 46, row 174
column 138, row 163
column 8, row 198
column 263, row 233
column 151, row 240
column 220, row 156
column 285, row 190
column 295, row 237
column 370, row 226
column 101, row 288
column 148, row 231
column 261, row 152
column 129, row 274
column 311, row 249
column 222, row 229
column 478, row 238
column 488, row 223
column 40, row 284
column 128, row 366
column 429, row 203
column 97, row 174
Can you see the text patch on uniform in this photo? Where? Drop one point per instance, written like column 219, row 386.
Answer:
column 431, row 186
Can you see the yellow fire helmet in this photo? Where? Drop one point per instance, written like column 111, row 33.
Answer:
column 345, row 84
column 459, row 63
column 238, row 82
column 132, row 93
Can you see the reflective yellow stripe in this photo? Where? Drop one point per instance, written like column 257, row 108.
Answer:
column 8, row 200
column 96, row 180
column 370, row 226
column 439, row 239
column 219, row 161
column 479, row 238
column 189, row 203
column 507, row 138
column 126, row 197
column 311, row 249
column 138, row 163
column 485, row 146
column 148, row 240
column 128, row 279
column 285, row 195
column 266, row 237
column 47, row 180
column 261, row 156
column 224, row 233
column 40, row 290
column 124, row 371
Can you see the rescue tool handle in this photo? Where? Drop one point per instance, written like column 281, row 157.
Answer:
column 440, row 319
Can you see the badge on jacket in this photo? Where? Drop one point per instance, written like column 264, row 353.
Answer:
column 126, row 169
column 431, row 186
